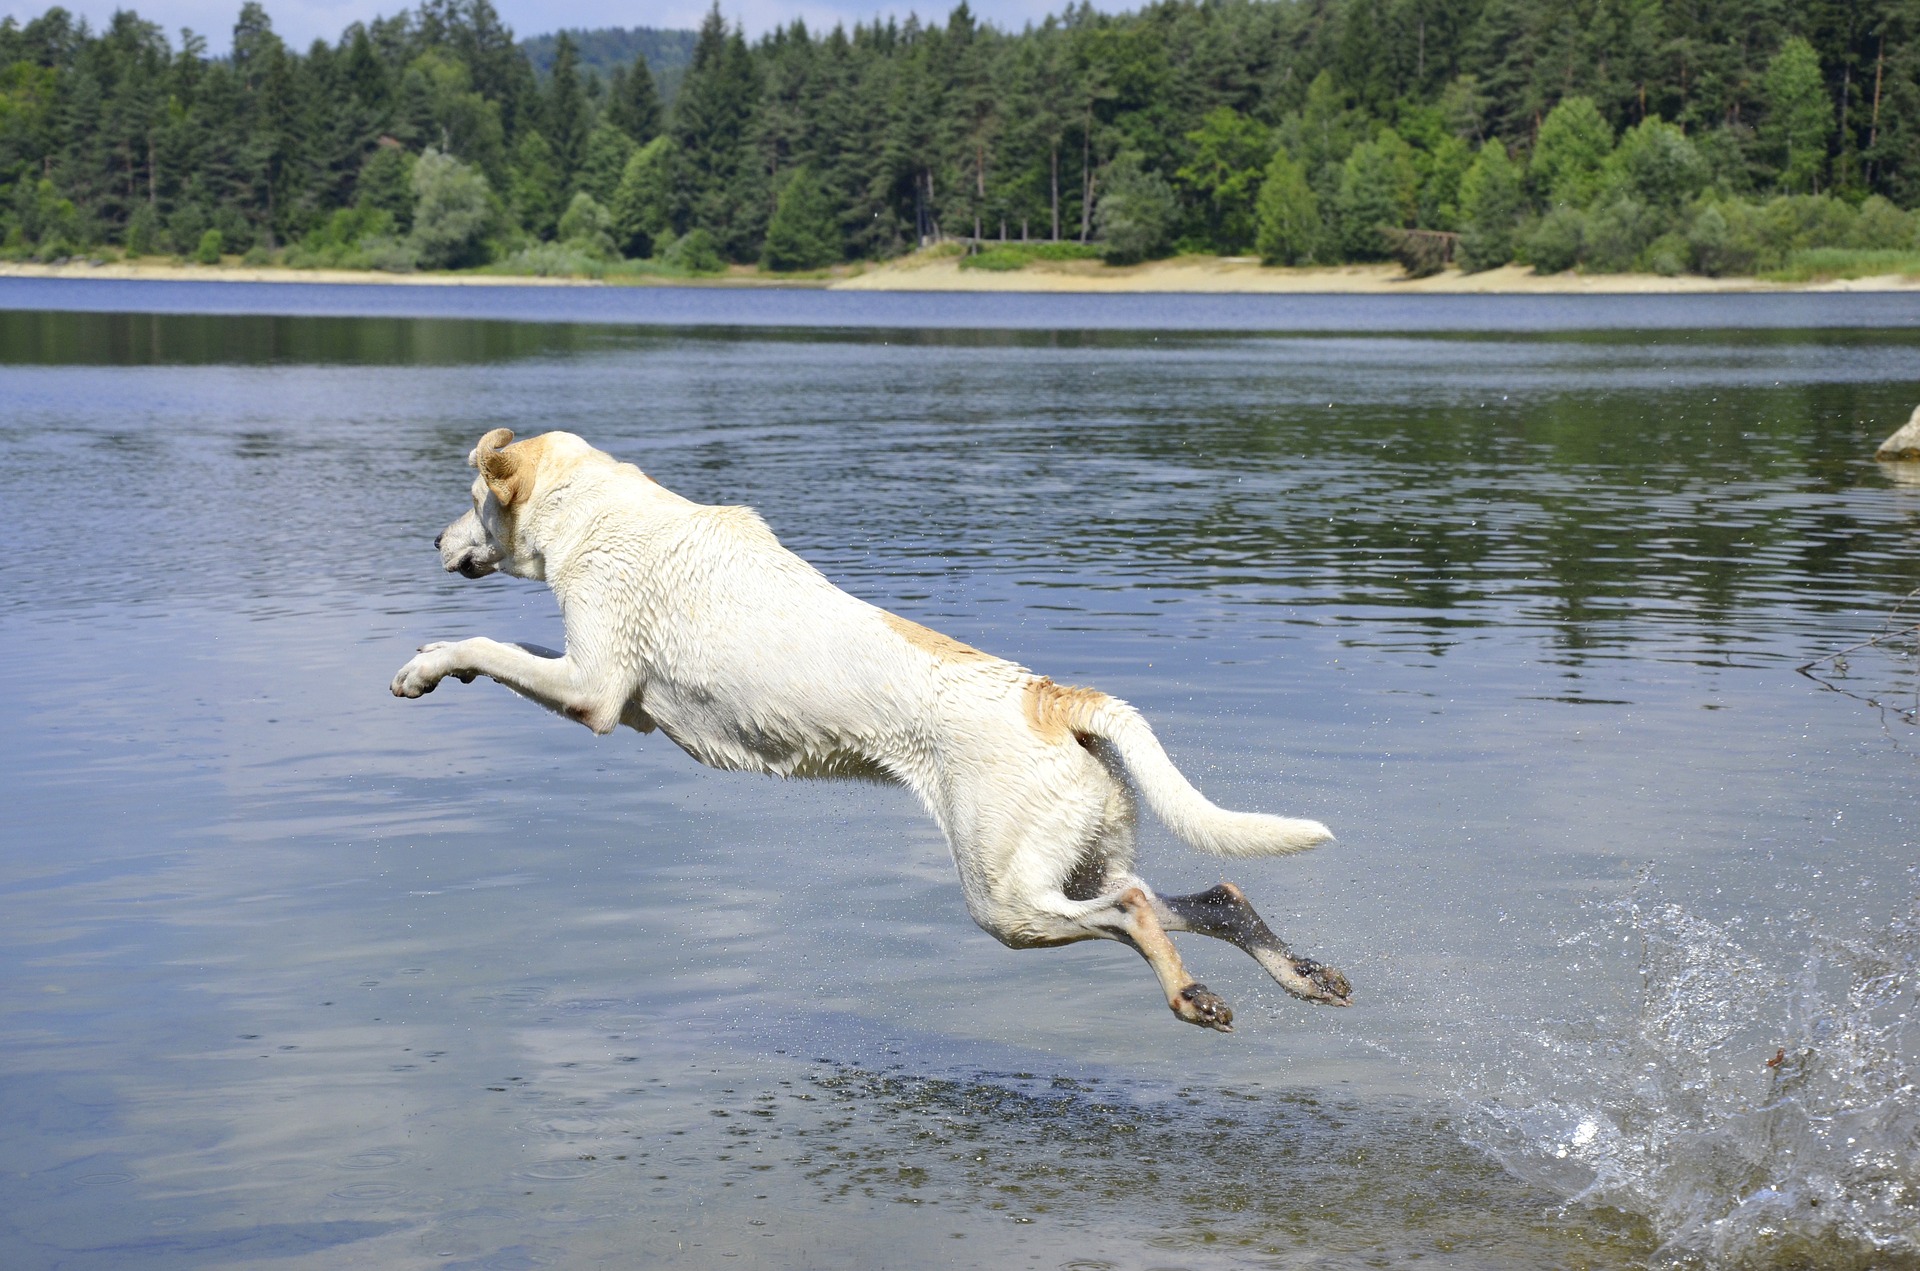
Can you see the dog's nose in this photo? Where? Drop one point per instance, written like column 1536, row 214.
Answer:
column 437, row 538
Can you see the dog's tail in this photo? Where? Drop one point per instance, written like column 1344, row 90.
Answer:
column 1186, row 811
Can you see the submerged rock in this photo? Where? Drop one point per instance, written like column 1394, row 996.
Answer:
column 1905, row 444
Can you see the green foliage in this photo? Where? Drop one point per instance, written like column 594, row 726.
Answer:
column 452, row 213
column 564, row 116
column 1799, row 117
column 211, row 243
column 1464, row 107
column 694, row 252
column 436, row 105
column 42, row 218
column 1134, row 218
column 1575, row 141
column 722, row 184
column 1491, row 199
column 1882, row 227
column 143, row 227
column 536, row 185
column 1008, row 257
column 1666, row 255
column 587, row 227
column 185, row 226
column 1616, row 232
column 386, row 184
column 1226, row 159
column 914, row 131
column 1553, row 246
column 344, row 239
column 609, row 49
column 1290, row 231
column 552, row 260
column 1656, row 164
column 1379, row 185
column 1821, row 264
column 803, row 233
column 1796, row 222
column 608, row 149
column 1322, row 133
column 642, row 203
column 633, row 104
column 1721, row 240
column 1442, row 166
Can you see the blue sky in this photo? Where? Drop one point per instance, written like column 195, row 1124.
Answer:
column 300, row 21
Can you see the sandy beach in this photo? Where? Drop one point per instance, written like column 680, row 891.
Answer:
column 1247, row 275
column 934, row 271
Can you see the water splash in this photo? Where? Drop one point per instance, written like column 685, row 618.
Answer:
column 1759, row 1109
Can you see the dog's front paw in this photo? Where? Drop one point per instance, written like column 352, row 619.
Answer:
column 417, row 678
column 464, row 674
column 428, row 667
column 1198, row 1004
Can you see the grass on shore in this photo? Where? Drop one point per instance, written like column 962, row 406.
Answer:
column 1008, row 257
column 1831, row 264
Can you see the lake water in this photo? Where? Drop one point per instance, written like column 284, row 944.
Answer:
column 1511, row 593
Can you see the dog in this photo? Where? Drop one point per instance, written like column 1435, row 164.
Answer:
column 694, row 620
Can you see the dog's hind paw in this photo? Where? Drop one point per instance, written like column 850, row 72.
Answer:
column 1318, row 982
column 1198, row 1004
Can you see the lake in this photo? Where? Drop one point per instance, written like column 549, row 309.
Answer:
column 1514, row 594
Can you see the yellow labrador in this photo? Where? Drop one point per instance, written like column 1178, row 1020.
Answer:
column 695, row 620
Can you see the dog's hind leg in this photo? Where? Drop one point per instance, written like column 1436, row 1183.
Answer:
column 1132, row 917
column 1223, row 913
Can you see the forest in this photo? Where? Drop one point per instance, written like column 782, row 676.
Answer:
column 1716, row 136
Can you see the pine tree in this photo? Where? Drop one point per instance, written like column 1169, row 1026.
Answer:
column 633, row 102
column 1378, row 186
column 608, row 149
column 723, row 190
column 642, row 204
column 1289, row 229
column 1225, row 162
column 565, row 116
column 1799, row 117
column 1491, row 199
column 537, row 186
column 1574, row 142
column 802, row 233
column 1136, row 211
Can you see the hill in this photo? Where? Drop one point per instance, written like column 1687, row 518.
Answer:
column 668, row 53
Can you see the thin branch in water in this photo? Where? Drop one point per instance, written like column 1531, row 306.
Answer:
column 1836, row 663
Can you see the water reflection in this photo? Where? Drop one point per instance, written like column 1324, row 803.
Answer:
column 289, row 969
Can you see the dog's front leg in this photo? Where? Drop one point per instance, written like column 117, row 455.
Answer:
column 555, row 680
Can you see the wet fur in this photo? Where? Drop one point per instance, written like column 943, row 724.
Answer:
column 694, row 620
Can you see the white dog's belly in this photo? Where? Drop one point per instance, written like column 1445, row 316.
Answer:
column 709, row 727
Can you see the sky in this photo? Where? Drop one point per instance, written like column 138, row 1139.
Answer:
column 299, row 22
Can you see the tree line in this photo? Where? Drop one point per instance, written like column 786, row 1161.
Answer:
column 1610, row 134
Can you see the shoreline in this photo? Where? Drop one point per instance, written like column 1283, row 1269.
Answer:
column 1230, row 275
column 929, row 273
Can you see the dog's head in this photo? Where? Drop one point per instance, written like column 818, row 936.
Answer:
column 494, row 534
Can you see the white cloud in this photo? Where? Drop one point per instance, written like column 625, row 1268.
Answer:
column 300, row 22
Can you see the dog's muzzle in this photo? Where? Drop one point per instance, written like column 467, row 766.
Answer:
column 465, row 548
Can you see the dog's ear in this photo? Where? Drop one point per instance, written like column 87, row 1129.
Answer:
column 502, row 470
